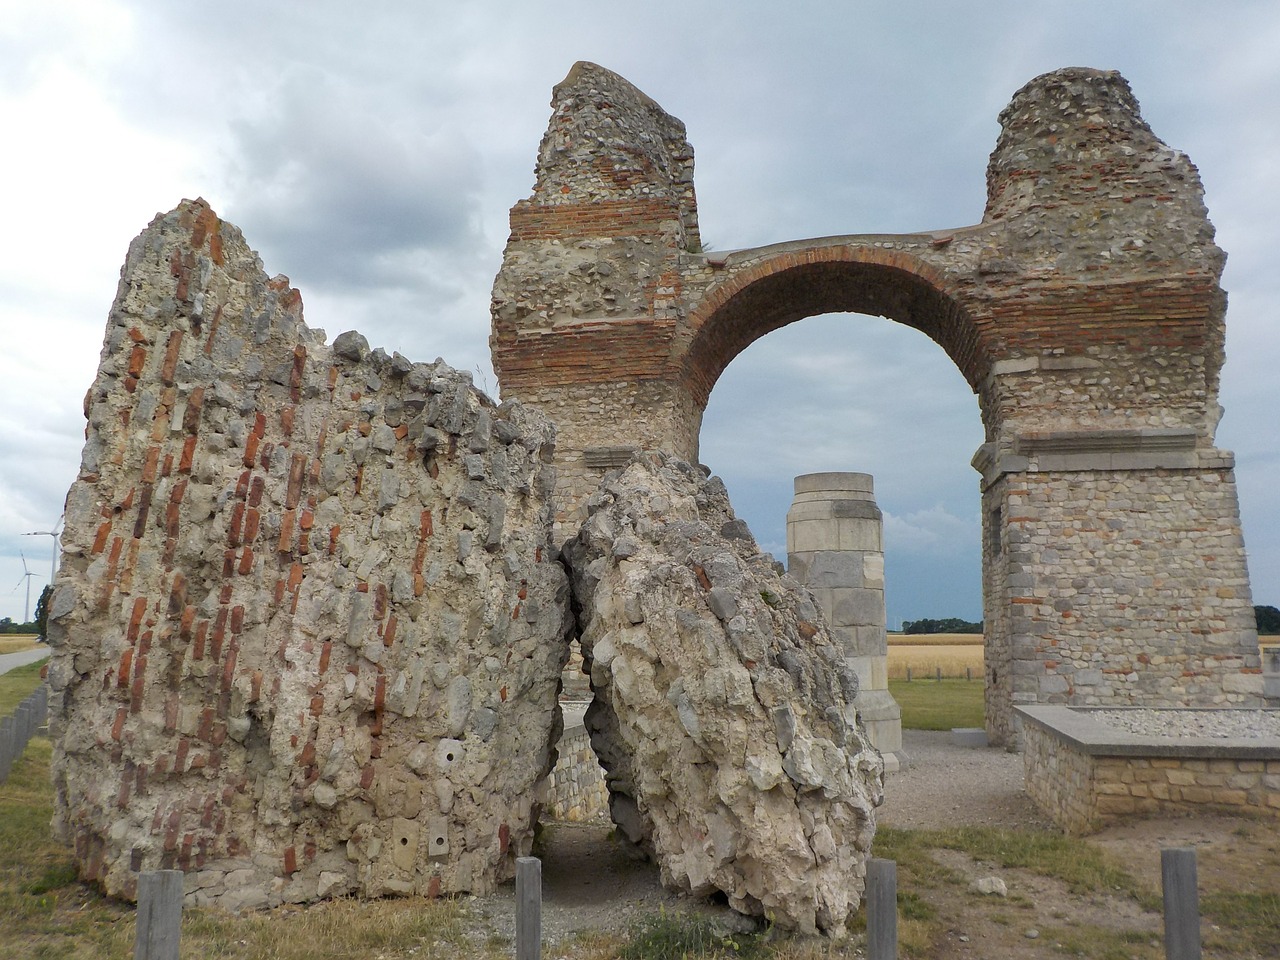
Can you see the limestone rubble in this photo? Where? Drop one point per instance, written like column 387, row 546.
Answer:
column 723, row 713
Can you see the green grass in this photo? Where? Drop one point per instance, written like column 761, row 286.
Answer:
column 17, row 685
column 681, row 936
column 1083, row 867
column 1244, row 919
column 939, row 704
column 1099, row 943
column 46, row 913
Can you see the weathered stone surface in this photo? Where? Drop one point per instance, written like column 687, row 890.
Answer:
column 1084, row 311
column 723, row 714
column 275, row 665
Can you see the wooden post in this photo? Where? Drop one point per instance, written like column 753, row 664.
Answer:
column 882, row 909
column 7, row 743
column 968, row 673
column 159, row 915
column 908, row 674
column 938, row 674
column 1181, row 903
column 528, row 908
column 23, row 718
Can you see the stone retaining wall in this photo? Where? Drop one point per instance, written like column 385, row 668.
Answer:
column 1083, row 774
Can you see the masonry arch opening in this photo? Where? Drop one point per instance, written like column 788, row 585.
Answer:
column 851, row 392
column 841, row 392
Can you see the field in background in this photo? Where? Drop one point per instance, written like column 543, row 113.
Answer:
column 939, row 705
column 924, row 654
column 17, row 642
column 926, row 639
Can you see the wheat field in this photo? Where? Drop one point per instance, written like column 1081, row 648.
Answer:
column 16, row 643
column 925, row 654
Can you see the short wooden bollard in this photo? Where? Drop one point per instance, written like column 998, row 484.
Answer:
column 8, row 747
column 528, row 908
column 159, row 915
column 1181, row 903
column 882, row 909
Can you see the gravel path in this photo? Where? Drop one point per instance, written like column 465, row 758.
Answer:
column 10, row 660
column 590, row 884
column 947, row 785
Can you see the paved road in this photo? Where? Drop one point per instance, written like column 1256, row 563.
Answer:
column 10, row 660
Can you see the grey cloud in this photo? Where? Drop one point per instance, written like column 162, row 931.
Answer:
column 346, row 187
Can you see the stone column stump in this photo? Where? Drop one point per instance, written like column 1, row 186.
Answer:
column 835, row 548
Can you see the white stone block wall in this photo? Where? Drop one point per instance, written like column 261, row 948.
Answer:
column 835, row 547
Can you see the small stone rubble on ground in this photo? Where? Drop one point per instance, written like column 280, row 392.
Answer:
column 1193, row 724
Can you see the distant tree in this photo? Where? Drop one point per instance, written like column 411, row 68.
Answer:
column 42, row 612
column 949, row 625
column 7, row 625
column 1268, row 620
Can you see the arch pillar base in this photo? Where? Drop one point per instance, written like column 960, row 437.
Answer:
column 1114, row 579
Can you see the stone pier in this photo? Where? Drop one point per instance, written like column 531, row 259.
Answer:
column 835, row 547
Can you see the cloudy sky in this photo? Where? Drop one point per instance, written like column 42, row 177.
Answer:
column 371, row 152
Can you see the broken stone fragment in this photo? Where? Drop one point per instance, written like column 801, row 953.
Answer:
column 263, row 638
column 726, row 724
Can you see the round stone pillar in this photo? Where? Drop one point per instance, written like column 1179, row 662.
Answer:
column 835, row 548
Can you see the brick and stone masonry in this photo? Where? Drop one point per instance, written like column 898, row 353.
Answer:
column 310, row 623
column 309, row 627
column 309, row 630
column 1084, row 311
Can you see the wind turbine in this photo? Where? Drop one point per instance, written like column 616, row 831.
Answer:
column 56, row 532
column 26, row 575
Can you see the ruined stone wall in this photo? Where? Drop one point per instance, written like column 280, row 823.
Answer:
column 1084, row 311
column 1083, row 786
column 603, row 426
column 308, row 629
column 575, row 790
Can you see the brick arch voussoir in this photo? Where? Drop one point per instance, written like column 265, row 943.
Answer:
column 708, row 354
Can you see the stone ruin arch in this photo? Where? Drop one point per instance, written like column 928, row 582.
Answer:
column 1084, row 310
column 313, row 610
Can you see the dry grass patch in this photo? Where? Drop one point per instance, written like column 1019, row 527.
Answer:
column 925, row 660
column 16, row 643
column 935, row 639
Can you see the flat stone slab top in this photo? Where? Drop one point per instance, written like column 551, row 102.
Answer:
column 1190, row 732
